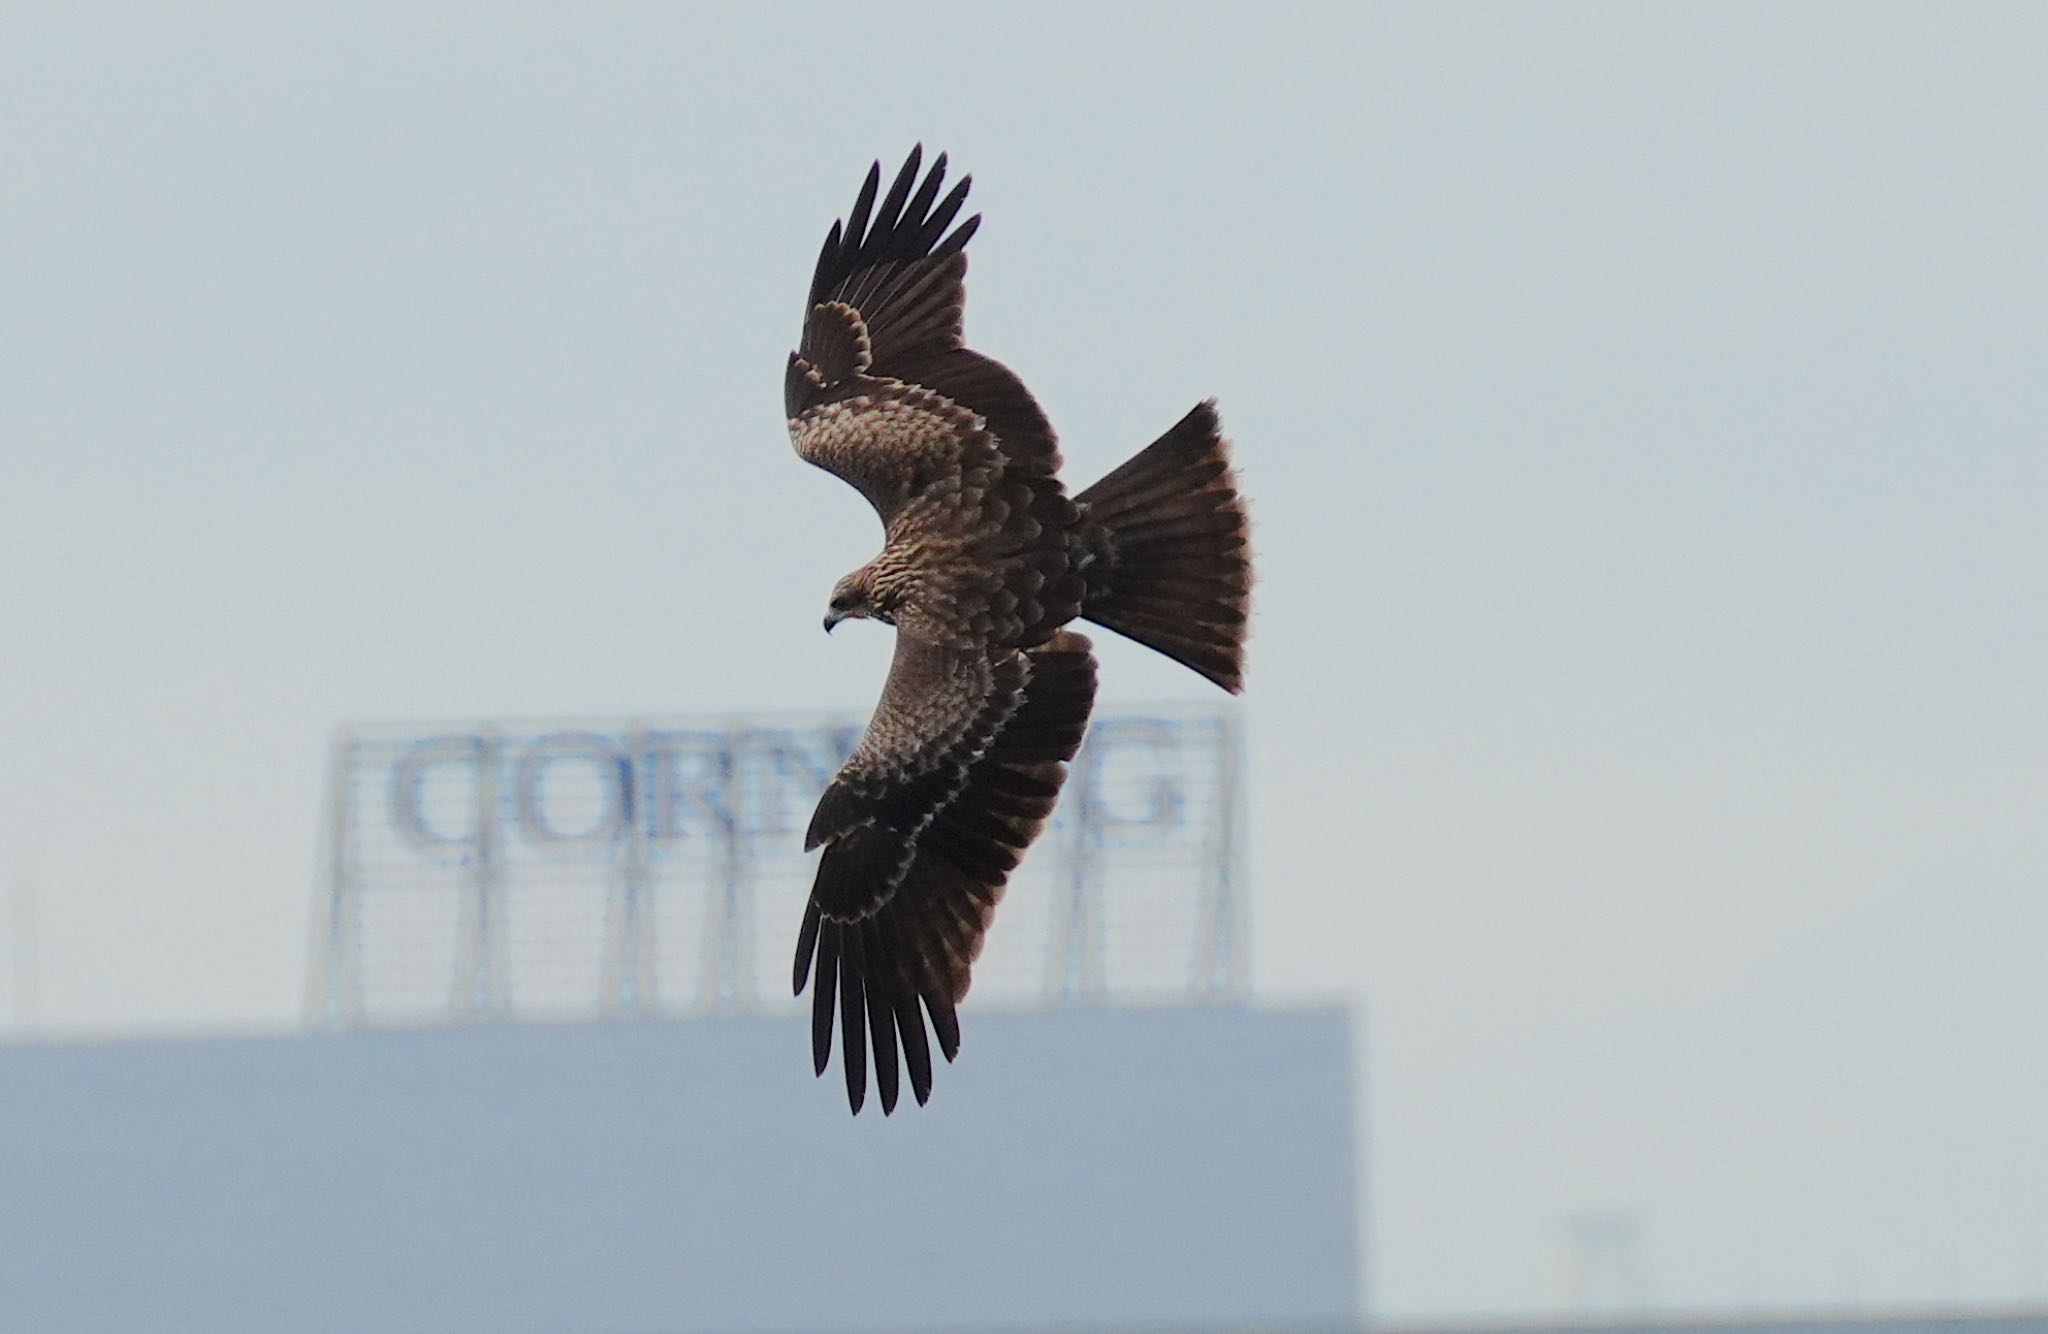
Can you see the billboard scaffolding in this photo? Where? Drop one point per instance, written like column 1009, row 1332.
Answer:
column 654, row 866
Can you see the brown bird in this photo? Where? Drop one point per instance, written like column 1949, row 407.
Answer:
column 984, row 559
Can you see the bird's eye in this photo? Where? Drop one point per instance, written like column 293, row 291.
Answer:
column 841, row 601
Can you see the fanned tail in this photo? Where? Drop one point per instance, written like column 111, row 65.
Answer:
column 1172, row 550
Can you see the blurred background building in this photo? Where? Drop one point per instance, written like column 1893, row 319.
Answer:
column 556, row 1081
column 553, row 1081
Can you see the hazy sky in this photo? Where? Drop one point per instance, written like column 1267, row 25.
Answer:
column 1643, row 408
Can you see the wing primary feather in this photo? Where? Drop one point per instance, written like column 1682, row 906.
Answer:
column 827, row 259
column 824, row 997
column 878, row 974
column 920, row 204
column 945, row 1024
column 958, row 240
column 853, row 1053
column 857, row 221
column 917, row 1052
column 889, row 217
column 942, row 217
column 806, row 946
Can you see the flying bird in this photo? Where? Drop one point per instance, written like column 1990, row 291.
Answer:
column 985, row 560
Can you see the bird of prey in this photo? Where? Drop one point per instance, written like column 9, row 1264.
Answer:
column 985, row 559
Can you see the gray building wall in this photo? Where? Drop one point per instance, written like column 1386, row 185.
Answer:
column 1133, row 1167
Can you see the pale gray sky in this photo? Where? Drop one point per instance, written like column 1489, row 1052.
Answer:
column 1643, row 408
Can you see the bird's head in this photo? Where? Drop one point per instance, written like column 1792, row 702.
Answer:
column 856, row 596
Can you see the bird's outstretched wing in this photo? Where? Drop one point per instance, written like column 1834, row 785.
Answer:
column 957, row 773
column 880, row 391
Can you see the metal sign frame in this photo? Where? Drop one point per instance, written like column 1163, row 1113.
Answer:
column 619, row 867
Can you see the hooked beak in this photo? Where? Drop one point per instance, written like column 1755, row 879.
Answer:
column 833, row 618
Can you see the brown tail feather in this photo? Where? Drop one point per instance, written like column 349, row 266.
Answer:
column 1172, row 549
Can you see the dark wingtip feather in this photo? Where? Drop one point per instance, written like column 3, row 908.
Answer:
column 887, row 946
column 945, row 1027
column 828, row 259
column 878, row 974
column 962, row 234
column 905, row 228
column 823, row 999
column 917, row 1052
column 890, row 214
column 920, row 205
column 806, row 946
column 931, row 228
column 863, row 205
column 853, row 1034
